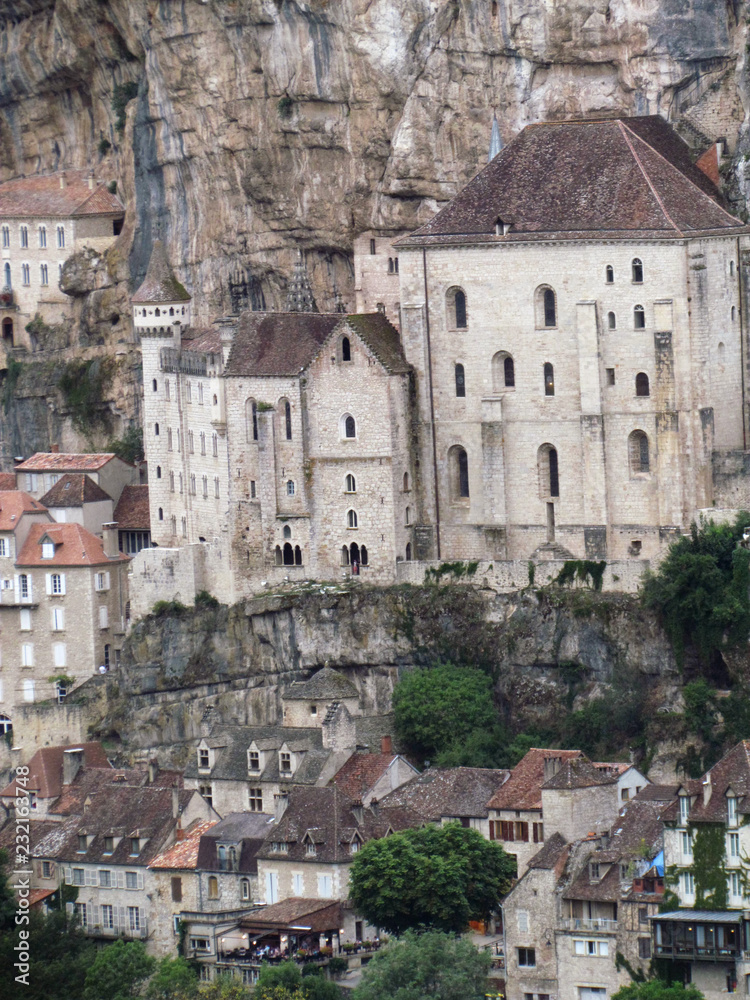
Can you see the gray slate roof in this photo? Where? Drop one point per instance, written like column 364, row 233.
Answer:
column 449, row 792
column 326, row 683
column 160, row 284
column 231, row 743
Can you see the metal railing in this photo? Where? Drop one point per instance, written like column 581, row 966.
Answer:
column 589, row 924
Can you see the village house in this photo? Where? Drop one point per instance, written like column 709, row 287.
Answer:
column 368, row 777
column 49, row 770
column 706, row 851
column 77, row 499
column 582, row 903
column 111, row 825
column 132, row 516
column 39, row 473
column 43, row 221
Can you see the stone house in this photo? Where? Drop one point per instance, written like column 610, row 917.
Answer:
column 62, row 609
column 376, row 270
column 706, row 851
column 50, row 769
column 77, row 499
column 43, row 221
column 39, row 473
column 582, row 903
column 132, row 515
column 588, row 284
column 369, row 777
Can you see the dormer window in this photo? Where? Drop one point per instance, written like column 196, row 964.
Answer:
column 280, row 847
column 354, row 846
column 83, row 843
column 203, row 760
column 48, row 549
column 594, row 871
column 684, row 808
column 253, row 760
column 109, row 845
column 310, row 849
column 732, row 810
column 285, row 763
column 135, row 846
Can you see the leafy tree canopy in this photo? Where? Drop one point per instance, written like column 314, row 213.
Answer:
column 433, row 964
column 174, row 979
column 288, row 977
column 701, row 589
column 657, row 989
column 118, row 972
column 437, row 876
column 59, row 956
column 437, row 709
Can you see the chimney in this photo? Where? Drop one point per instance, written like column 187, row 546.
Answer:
column 62, row 181
column 374, row 806
column 280, row 802
column 386, row 745
column 90, row 179
column 153, row 770
column 175, row 803
column 707, row 789
column 72, row 764
column 358, row 812
column 227, row 328
column 110, row 540
column 54, row 449
column 551, row 767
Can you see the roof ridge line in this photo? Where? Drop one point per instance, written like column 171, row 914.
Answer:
column 704, row 193
column 648, row 180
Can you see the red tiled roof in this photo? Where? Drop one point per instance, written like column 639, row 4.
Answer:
column 74, row 546
column 586, row 179
column 7, row 481
column 132, row 511
column 202, row 339
column 580, row 773
column 160, row 284
column 316, row 915
column 48, row 461
column 43, row 196
column 73, row 490
column 361, row 771
column 37, row 895
column 46, row 768
column 14, row 503
column 523, row 789
column 183, row 854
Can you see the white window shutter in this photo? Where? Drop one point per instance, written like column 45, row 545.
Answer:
column 48, row 581
column 52, row 869
column 17, row 587
column 121, row 880
column 107, row 579
column 38, row 868
column 68, row 876
column 62, row 583
column 90, row 877
column 31, row 583
column 94, row 914
column 140, row 880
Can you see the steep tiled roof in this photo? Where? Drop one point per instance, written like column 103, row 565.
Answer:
column 325, row 814
column 183, row 855
column 383, row 339
column 231, row 744
column 14, row 503
column 48, row 461
column 732, row 772
column 326, row 683
column 74, row 546
column 46, row 768
column 204, row 339
column 160, row 284
column 43, row 197
column 579, row 773
column 583, row 179
column 7, row 481
column 362, row 771
column 72, row 490
column 523, row 789
column 132, row 509
column 278, row 343
column 552, row 852
column 449, row 792
column 314, row 915
column 246, row 831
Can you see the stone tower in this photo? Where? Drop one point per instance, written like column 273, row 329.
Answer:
column 299, row 295
column 161, row 302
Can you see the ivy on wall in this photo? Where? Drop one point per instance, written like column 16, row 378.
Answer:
column 709, row 866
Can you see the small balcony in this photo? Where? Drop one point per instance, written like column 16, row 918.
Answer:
column 589, row 924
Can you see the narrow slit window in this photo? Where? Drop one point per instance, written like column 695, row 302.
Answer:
column 549, row 379
column 460, row 380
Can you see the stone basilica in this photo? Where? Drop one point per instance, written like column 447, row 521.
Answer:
column 555, row 369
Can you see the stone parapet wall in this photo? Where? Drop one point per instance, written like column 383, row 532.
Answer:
column 505, row 576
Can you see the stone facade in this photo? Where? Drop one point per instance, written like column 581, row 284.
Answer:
column 376, row 275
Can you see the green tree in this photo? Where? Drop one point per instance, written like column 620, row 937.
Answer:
column 174, row 979
column 657, row 989
column 432, row 964
column 437, row 876
column 701, row 589
column 59, row 956
column 119, row 972
column 7, row 899
column 440, row 707
column 288, row 977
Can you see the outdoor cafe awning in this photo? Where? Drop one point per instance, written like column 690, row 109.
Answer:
column 701, row 916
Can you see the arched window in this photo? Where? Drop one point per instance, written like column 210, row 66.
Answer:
column 191, row 443
column 363, row 555
column 277, row 553
column 244, row 889
column 180, row 481
column 407, row 516
column 6, row 237
column 346, row 349
column 7, row 275
column 549, row 379
column 251, row 420
column 610, row 274
column 297, row 555
column 215, row 400
column 549, row 479
column 611, row 321
column 731, row 266
column 390, row 265
column 637, row 271
column 42, row 237
column 350, row 427
column 408, row 551
column 288, row 554
column 351, row 519
column 545, row 306
column 395, row 264
column 24, row 236
column 288, row 419
column 638, row 453
column 406, row 482
column 344, row 555
column 213, row 887
column 458, row 463
column 192, row 484
column 290, row 488
column 44, row 274
column 157, row 311
column 161, row 514
column 734, row 313
column 61, row 237
column 354, row 553
column 171, row 310
column 460, row 381
column 641, row 384
column 287, row 531
column 154, row 385
column 455, row 307
column 639, row 317
column 158, row 472
column 350, row 484
column 503, row 372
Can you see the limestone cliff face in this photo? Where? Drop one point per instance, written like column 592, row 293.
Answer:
column 260, row 126
column 547, row 654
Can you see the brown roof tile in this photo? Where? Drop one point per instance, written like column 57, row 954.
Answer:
column 43, row 197
column 314, row 915
column 7, row 481
column 450, row 792
column 731, row 772
column 72, row 490
column 202, row 339
column 14, row 503
column 579, row 772
column 523, row 789
column 132, row 510
column 74, row 546
column 584, row 179
column 183, row 855
column 46, row 768
column 160, row 284
column 48, row 461
column 361, row 772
